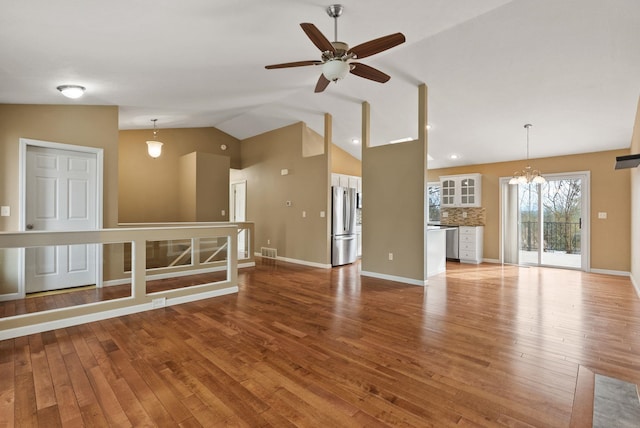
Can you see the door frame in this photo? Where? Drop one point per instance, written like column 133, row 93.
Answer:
column 232, row 205
column 585, row 244
column 24, row 143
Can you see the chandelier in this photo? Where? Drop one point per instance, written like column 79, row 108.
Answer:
column 527, row 175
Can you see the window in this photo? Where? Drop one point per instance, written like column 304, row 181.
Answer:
column 433, row 190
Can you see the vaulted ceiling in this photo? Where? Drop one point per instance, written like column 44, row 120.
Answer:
column 569, row 67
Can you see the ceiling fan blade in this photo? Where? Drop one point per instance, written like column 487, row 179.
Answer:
column 322, row 84
column 369, row 72
column 292, row 64
column 377, row 45
column 317, row 37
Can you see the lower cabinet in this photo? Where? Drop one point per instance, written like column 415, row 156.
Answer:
column 470, row 244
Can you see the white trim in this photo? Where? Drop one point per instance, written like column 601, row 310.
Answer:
column 635, row 284
column 409, row 281
column 611, row 272
column 22, row 203
column 103, row 315
column 296, row 261
column 125, row 281
column 11, row 296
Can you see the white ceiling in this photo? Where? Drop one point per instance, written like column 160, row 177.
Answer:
column 569, row 67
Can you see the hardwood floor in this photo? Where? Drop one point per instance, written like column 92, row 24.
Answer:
column 485, row 345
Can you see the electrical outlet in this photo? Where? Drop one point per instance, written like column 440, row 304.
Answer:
column 445, row 214
column 223, row 212
column 390, row 256
column 602, row 215
column 464, row 214
column 322, row 214
column 304, row 214
column 268, row 241
column 160, row 302
column 288, row 203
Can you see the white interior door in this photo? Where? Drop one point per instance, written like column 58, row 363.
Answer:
column 60, row 194
column 238, row 212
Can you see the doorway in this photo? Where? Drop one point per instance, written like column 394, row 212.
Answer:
column 60, row 189
column 547, row 224
column 238, row 213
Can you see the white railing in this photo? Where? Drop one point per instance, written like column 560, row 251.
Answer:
column 139, row 299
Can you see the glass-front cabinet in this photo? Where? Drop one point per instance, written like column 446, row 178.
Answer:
column 448, row 193
column 461, row 190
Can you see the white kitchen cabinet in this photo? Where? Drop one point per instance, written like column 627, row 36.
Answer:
column 461, row 190
column 470, row 244
column 344, row 180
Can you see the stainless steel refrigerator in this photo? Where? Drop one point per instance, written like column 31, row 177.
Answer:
column 344, row 244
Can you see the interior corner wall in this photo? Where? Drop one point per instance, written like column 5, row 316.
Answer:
column 610, row 240
column 343, row 163
column 635, row 206
column 305, row 185
column 149, row 188
column 393, row 212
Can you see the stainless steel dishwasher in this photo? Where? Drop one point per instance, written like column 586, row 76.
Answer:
column 452, row 243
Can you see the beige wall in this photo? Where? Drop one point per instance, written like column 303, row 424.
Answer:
column 393, row 179
column 343, row 163
column 204, row 187
column 610, row 189
column 91, row 126
column 149, row 188
column 635, row 206
column 306, row 186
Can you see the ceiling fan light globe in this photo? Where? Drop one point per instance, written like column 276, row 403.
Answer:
column 335, row 69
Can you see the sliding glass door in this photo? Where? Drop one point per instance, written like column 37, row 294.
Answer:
column 546, row 224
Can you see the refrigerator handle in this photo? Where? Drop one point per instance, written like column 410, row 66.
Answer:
column 345, row 214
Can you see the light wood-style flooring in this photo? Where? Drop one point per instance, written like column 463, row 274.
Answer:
column 485, row 345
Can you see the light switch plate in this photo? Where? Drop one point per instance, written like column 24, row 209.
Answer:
column 602, row 215
column 322, row 214
column 5, row 211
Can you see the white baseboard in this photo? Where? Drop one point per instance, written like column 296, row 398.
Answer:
column 298, row 262
column 402, row 279
column 103, row 315
column 636, row 285
column 611, row 272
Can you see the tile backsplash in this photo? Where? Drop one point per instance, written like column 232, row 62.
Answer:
column 474, row 216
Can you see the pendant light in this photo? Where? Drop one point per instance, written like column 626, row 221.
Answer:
column 527, row 175
column 154, row 147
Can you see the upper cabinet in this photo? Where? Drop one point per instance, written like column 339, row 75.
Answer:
column 463, row 190
column 343, row 180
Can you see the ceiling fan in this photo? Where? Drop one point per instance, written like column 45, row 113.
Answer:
column 337, row 59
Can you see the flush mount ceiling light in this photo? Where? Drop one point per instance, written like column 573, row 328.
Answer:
column 71, row 91
column 527, row 175
column 154, row 147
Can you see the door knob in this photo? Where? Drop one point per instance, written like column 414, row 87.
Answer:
column 29, row 227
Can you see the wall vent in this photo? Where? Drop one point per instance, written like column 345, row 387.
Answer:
column 270, row 253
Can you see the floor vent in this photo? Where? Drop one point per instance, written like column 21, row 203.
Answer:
column 271, row 253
